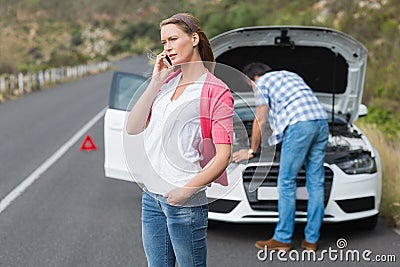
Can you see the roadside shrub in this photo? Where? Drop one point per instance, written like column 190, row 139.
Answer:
column 384, row 120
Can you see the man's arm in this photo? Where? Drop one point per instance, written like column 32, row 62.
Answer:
column 258, row 124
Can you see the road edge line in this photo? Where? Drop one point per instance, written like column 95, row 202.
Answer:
column 397, row 230
column 29, row 180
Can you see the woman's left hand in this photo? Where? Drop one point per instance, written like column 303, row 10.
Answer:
column 178, row 196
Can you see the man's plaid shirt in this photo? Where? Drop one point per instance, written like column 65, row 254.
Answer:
column 289, row 99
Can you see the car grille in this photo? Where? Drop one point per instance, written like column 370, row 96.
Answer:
column 269, row 174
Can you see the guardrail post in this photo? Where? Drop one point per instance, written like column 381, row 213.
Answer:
column 3, row 85
column 68, row 72
column 53, row 76
column 21, row 83
column 41, row 79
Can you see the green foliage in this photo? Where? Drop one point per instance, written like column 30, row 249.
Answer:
column 76, row 35
column 385, row 120
column 123, row 21
column 26, row 67
column 117, row 48
column 139, row 30
column 142, row 44
column 62, row 57
column 242, row 14
column 215, row 24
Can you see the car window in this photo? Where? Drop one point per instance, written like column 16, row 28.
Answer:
column 123, row 88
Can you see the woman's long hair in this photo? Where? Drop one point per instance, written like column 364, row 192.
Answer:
column 190, row 24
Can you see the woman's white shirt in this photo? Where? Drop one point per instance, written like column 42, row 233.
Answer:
column 173, row 138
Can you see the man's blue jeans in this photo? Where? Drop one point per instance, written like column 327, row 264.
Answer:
column 304, row 143
column 174, row 232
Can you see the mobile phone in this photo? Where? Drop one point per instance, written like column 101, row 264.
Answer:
column 167, row 62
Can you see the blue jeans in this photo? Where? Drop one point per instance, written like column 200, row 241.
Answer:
column 304, row 143
column 172, row 233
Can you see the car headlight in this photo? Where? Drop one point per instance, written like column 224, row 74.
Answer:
column 358, row 164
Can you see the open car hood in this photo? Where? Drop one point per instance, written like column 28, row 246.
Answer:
column 332, row 63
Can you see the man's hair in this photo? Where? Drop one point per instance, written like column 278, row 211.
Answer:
column 256, row 69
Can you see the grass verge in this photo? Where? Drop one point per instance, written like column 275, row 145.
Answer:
column 389, row 150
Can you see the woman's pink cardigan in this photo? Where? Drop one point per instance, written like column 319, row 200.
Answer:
column 216, row 118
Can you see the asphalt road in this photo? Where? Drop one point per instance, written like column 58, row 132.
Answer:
column 74, row 216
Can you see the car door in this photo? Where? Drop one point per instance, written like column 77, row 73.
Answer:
column 125, row 90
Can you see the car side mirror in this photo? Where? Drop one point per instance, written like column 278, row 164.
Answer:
column 362, row 111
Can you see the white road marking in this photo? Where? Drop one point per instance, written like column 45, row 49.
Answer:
column 397, row 230
column 28, row 181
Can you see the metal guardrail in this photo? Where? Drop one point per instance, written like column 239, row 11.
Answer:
column 13, row 85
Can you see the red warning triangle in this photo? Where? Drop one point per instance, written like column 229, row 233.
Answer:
column 88, row 147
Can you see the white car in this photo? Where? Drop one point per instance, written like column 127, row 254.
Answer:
column 333, row 64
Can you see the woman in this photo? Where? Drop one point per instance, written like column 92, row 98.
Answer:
column 186, row 115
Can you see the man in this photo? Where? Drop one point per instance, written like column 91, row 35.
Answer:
column 298, row 120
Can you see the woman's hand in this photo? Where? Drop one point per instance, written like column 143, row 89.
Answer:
column 178, row 196
column 138, row 116
column 160, row 70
